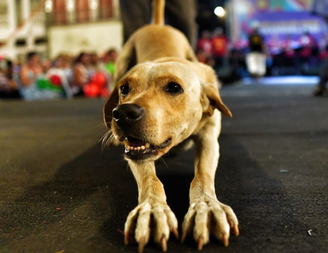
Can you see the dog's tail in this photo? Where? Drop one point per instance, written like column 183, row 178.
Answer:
column 158, row 12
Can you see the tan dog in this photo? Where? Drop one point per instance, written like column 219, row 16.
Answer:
column 168, row 97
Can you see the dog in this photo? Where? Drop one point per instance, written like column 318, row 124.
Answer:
column 165, row 98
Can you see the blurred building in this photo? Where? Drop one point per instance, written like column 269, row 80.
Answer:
column 51, row 27
column 83, row 25
column 16, row 36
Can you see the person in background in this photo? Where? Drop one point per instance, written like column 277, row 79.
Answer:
column 31, row 70
column 94, row 63
column 179, row 14
column 204, row 44
column 107, row 66
column 321, row 89
column 201, row 56
column 289, row 55
column 256, row 60
column 62, row 68
column 210, row 61
column 63, row 62
column 81, row 73
column 46, row 65
column 219, row 48
column 276, row 49
column 30, row 76
column 111, row 57
column 308, row 51
column 323, row 46
column 8, row 87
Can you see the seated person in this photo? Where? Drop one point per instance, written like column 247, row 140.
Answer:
column 30, row 73
column 8, row 87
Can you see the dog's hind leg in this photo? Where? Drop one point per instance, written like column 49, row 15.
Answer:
column 152, row 216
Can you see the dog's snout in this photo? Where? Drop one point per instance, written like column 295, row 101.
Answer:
column 127, row 114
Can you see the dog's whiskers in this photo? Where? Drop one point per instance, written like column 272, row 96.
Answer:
column 97, row 126
column 105, row 139
column 162, row 159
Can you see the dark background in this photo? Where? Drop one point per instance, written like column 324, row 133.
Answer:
column 206, row 18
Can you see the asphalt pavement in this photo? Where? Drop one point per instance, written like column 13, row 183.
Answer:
column 59, row 192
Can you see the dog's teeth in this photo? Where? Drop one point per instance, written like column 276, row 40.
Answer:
column 128, row 147
column 126, row 143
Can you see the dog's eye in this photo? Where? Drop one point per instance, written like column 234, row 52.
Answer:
column 174, row 88
column 125, row 89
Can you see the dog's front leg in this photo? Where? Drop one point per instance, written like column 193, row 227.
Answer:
column 152, row 215
column 206, row 214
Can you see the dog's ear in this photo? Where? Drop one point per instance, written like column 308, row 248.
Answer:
column 211, row 100
column 109, row 106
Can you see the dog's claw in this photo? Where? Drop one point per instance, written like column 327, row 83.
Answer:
column 164, row 243
column 225, row 240
column 183, row 237
column 151, row 220
column 142, row 244
column 209, row 217
column 236, row 230
column 175, row 233
column 200, row 243
column 126, row 238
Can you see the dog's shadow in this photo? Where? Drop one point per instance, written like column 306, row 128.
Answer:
column 175, row 171
column 76, row 182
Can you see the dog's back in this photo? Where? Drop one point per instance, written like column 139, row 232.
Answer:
column 152, row 42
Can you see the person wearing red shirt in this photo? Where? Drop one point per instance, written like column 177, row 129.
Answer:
column 219, row 47
column 204, row 43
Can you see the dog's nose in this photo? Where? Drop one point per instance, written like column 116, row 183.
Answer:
column 127, row 114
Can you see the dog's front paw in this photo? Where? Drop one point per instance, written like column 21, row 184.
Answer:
column 208, row 216
column 148, row 219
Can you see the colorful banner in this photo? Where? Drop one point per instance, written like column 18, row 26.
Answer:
column 281, row 5
column 276, row 18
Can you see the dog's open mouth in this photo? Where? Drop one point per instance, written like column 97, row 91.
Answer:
column 139, row 149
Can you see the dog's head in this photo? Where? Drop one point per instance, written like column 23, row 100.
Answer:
column 155, row 106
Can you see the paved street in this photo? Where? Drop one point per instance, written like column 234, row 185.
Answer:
column 60, row 193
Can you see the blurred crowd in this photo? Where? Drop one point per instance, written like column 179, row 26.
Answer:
column 90, row 75
column 287, row 55
column 66, row 76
